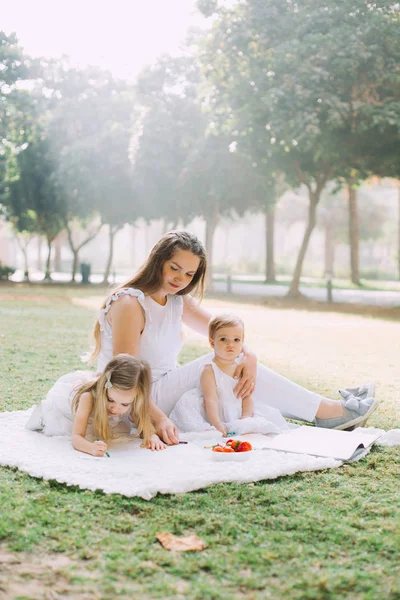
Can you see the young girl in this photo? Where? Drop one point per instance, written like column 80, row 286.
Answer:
column 101, row 405
column 213, row 404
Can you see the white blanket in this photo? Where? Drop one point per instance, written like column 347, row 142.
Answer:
column 134, row 471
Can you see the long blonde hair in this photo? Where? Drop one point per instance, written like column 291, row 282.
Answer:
column 148, row 278
column 125, row 372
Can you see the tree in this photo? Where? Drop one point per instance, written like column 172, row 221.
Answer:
column 15, row 104
column 167, row 129
column 89, row 124
column 116, row 200
column 32, row 200
column 285, row 76
column 217, row 181
column 181, row 169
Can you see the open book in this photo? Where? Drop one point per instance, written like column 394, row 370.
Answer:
column 342, row 445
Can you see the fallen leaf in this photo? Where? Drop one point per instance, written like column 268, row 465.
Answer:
column 180, row 544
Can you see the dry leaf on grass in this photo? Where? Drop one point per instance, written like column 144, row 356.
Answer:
column 180, row 544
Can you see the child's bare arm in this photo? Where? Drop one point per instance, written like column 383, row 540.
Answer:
column 81, row 421
column 247, row 407
column 211, row 400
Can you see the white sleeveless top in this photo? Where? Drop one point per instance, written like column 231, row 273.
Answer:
column 161, row 340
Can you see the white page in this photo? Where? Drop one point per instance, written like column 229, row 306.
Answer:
column 316, row 441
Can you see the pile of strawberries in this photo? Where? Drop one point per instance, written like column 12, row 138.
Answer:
column 233, row 446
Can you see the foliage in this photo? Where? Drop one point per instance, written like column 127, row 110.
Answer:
column 32, row 200
column 14, row 68
column 5, row 271
column 168, row 127
column 306, row 86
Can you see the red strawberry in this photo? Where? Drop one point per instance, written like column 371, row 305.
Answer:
column 244, row 447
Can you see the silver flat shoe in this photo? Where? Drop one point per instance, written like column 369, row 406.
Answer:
column 367, row 390
column 356, row 413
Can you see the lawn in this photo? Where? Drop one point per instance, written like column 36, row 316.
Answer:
column 322, row 535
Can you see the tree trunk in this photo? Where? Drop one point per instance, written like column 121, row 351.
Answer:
column 75, row 264
column 39, row 254
column 398, row 230
column 312, row 219
column 211, row 225
column 23, row 244
column 111, row 237
column 75, row 249
column 47, row 274
column 269, row 243
column 26, row 264
column 354, row 234
column 329, row 249
column 57, row 252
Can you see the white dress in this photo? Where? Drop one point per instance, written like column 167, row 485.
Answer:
column 160, row 344
column 189, row 413
column 53, row 416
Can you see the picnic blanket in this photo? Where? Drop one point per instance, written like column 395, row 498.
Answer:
column 134, row 471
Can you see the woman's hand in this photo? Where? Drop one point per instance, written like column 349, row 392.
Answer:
column 246, row 371
column 167, row 430
column 155, row 443
column 99, row 448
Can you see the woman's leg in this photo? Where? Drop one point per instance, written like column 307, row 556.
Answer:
column 169, row 388
column 290, row 399
column 297, row 402
column 272, row 389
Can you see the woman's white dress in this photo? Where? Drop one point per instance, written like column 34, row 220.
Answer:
column 160, row 345
column 54, row 416
column 189, row 413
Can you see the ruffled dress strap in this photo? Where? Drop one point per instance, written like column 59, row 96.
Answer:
column 122, row 292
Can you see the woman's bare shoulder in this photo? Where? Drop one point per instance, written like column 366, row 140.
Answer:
column 124, row 306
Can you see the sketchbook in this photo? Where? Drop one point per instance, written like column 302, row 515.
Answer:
column 317, row 441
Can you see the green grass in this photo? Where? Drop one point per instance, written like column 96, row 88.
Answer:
column 323, row 535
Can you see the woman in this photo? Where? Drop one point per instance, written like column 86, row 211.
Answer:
column 143, row 317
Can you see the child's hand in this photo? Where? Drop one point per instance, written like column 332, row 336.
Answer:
column 223, row 430
column 155, row 443
column 99, row 448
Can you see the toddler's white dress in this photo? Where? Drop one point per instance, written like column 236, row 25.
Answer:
column 189, row 413
column 53, row 416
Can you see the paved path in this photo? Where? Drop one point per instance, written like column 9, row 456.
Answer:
column 368, row 298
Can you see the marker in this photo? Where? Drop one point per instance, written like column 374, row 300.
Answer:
column 183, row 442
column 106, row 453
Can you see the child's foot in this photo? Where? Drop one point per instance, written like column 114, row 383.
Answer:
column 356, row 412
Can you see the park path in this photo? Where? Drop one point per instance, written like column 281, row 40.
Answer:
column 385, row 299
column 365, row 297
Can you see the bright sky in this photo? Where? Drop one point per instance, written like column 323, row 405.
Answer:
column 119, row 35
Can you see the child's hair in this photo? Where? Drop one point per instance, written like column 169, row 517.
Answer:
column 125, row 372
column 223, row 320
column 148, row 278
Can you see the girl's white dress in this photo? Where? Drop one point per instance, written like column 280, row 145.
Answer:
column 189, row 413
column 53, row 416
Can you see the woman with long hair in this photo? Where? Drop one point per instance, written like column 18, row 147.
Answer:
column 143, row 317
